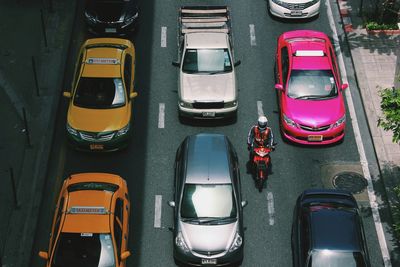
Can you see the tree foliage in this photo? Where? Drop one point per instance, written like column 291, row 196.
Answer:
column 390, row 105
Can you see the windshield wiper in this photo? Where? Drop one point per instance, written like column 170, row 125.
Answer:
column 190, row 219
column 215, row 220
column 309, row 97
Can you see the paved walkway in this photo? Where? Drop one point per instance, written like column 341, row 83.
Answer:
column 23, row 43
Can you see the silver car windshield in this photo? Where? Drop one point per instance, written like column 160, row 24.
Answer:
column 312, row 84
column 205, row 201
column 84, row 250
column 207, row 61
column 331, row 258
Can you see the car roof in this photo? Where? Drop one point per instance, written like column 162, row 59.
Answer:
column 334, row 229
column 309, row 62
column 206, row 40
column 207, row 159
column 101, row 54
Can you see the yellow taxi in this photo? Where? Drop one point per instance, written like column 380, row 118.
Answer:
column 90, row 225
column 99, row 112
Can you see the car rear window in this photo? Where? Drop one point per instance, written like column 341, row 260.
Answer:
column 93, row 186
column 331, row 258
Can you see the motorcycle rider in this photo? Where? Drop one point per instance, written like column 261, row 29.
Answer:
column 260, row 135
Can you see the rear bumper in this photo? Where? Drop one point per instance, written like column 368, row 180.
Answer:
column 207, row 113
column 282, row 12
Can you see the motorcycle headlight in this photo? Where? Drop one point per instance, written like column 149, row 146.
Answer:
column 339, row 121
column 123, row 131
column 289, row 121
column 237, row 243
column 90, row 17
column 129, row 19
column 230, row 104
column 185, row 104
column 71, row 130
column 180, row 242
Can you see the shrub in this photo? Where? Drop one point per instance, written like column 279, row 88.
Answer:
column 390, row 105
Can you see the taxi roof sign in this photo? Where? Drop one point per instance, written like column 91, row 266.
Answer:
column 87, row 210
column 309, row 53
column 105, row 61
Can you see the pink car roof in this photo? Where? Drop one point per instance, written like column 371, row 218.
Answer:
column 309, row 62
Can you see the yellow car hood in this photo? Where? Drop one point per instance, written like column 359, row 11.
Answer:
column 98, row 120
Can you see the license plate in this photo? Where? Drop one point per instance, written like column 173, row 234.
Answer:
column 111, row 30
column 315, row 138
column 208, row 114
column 208, row 261
column 296, row 13
column 96, row 146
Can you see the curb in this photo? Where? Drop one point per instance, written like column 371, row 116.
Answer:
column 344, row 11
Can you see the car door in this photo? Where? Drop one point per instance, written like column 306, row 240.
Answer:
column 56, row 224
column 119, row 236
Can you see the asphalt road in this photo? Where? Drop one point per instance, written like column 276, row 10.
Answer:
column 147, row 164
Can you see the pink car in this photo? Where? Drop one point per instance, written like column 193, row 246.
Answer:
column 310, row 90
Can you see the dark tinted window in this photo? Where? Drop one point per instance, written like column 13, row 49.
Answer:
column 128, row 73
column 312, row 84
column 330, row 258
column 84, row 250
column 285, row 65
column 99, row 93
column 93, row 186
column 207, row 61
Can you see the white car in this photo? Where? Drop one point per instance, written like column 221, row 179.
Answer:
column 294, row 9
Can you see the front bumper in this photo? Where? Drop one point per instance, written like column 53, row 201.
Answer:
column 115, row 29
column 207, row 113
column 282, row 12
column 116, row 143
column 189, row 259
column 301, row 136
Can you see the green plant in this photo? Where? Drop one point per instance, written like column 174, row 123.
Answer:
column 396, row 213
column 390, row 105
column 372, row 25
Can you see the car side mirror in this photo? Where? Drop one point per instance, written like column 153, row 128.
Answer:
column 125, row 255
column 244, row 203
column 171, row 204
column 133, row 95
column 44, row 255
column 176, row 63
column 67, row 94
column 237, row 63
column 279, row 87
column 344, row 86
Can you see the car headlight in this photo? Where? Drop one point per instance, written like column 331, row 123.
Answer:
column 71, row 130
column 180, row 242
column 230, row 104
column 129, row 19
column 339, row 121
column 280, row 3
column 123, row 131
column 185, row 104
column 289, row 121
column 90, row 17
column 313, row 2
column 237, row 243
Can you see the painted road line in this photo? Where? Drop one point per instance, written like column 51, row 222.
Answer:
column 271, row 209
column 260, row 110
column 163, row 36
column 252, row 35
column 157, row 211
column 360, row 146
column 161, row 115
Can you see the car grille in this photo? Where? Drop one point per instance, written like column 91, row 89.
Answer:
column 96, row 137
column 208, row 105
column 297, row 6
column 314, row 129
column 209, row 253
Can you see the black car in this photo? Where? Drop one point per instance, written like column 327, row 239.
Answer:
column 207, row 203
column 327, row 230
column 111, row 17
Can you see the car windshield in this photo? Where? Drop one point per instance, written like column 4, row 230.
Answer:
column 312, row 84
column 330, row 258
column 205, row 201
column 207, row 61
column 99, row 93
column 84, row 250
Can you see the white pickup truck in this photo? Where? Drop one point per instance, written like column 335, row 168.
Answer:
column 207, row 81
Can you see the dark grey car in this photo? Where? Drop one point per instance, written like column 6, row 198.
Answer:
column 208, row 227
column 328, row 231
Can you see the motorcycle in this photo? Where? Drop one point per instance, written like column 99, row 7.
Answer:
column 260, row 163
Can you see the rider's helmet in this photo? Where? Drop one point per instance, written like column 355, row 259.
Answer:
column 262, row 122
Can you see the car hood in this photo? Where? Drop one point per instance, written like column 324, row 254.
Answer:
column 296, row 1
column 208, row 88
column 209, row 237
column 314, row 113
column 98, row 120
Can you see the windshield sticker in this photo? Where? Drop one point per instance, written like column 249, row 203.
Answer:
column 332, row 80
column 105, row 61
column 86, row 234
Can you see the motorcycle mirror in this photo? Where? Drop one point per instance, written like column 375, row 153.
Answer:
column 171, row 204
column 244, row 203
column 237, row 63
column 171, row 229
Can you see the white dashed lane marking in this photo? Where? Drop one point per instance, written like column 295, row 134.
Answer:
column 161, row 115
column 157, row 211
column 163, row 36
column 271, row 209
column 252, row 35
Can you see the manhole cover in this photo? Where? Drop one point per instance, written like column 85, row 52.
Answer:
column 350, row 181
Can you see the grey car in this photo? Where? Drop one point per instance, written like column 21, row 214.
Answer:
column 208, row 226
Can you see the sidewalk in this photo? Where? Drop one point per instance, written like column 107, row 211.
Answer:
column 22, row 44
column 376, row 59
